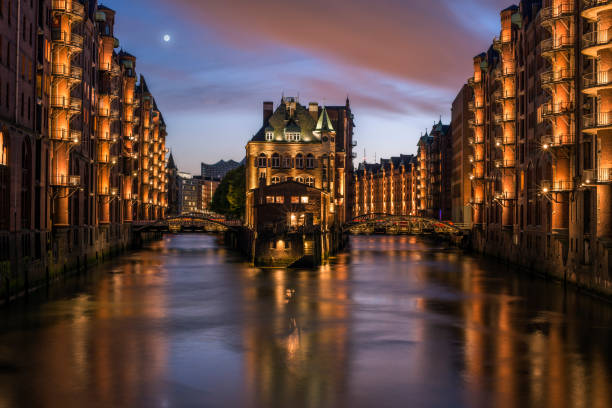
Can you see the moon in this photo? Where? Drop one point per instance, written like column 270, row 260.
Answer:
column 166, row 38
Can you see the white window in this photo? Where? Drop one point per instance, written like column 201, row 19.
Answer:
column 293, row 136
column 310, row 181
column 304, row 199
column 276, row 180
column 269, row 136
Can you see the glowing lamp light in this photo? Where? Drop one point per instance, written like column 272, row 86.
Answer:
column 545, row 190
column 545, row 146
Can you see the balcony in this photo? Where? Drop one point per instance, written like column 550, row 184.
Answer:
column 499, row 42
column 502, row 96
column 477, row 176
column 72, row 105
column 550, row 78
column 597, row 176
column 504, row 195
column 558, row 186
column 69, row 40
column 505, row 164
column 63, row 135
column 550, row 110
column 596, row 41
column 103, row 112
column 70, row 7
column 591, row 8
column 476, row 158
column 553, row 45
column 503, row 118
column 106, row 159
column 71, row 73
column 473, row 123
column 65, row 181
column 549, row 15
column 475, row 141
column 595, row 82
column 597, row 121
column 557, row 141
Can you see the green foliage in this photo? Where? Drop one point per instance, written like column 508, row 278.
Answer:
column 230, row 196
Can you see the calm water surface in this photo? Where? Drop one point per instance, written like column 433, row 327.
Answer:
column 394, row 322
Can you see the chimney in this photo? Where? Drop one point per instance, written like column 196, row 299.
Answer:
column 268, row 110
column 313, row 108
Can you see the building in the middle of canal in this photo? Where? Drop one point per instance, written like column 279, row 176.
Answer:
column 298, row 174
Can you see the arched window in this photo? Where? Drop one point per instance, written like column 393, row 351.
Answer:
column 310, row 161
column 287, row 162
column 276, row 161
column 262, row 161
column 276, row 180
column 299, row 161
column 300, row 179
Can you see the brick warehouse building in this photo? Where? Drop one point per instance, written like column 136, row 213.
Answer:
column 83, row 144
column 409, row 185
column 309, row 146
column 542, row 142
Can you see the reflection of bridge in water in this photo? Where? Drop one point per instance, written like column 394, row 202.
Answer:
column 201, row 223
column 381, row 223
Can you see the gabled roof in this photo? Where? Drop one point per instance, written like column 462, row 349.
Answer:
column 170, row 164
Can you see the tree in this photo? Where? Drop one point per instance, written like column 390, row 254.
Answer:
column 230, row 197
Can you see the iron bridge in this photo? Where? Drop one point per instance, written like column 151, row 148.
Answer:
column 188, row 223
column 380, row 223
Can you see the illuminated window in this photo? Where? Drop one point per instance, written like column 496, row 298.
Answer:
column 293, row 136
column 295, row 200
column 276, row 180
column 299, row 161
column 276, row 160
column 269, row 136
column 304, row 199
column 270, row 200
column 262, row 161
column 3, row 151
column 280, row 200
column 310, row 181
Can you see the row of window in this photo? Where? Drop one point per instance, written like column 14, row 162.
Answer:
column 281, row 200
column 309, row 181
column 289, row 136
column 288, row 162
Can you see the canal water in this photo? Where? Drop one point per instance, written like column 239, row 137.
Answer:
column 393, row 322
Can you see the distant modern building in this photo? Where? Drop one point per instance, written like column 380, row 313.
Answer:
column 187, row 193
column 218, row 170
column 207, row 191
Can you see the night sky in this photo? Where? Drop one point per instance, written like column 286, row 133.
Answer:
column 401, row 62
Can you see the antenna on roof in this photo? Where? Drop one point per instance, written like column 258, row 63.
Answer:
column 364, row 155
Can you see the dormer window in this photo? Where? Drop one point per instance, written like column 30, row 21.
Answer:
column 292, row 136
column 269, row 136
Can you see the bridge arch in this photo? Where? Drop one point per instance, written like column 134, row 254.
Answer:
column 394, row 223
column 194, row 221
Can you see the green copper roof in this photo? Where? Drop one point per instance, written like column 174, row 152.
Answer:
column 324, row 124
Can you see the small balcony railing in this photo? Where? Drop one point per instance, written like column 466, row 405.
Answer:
column 70, row 72
column 71, row 7
column 63, row 135
column 475, row 158
column 472, row 140
column 499, row 42
column 477, row 176
column 552, row 13
column 505, row 195
column 474, row 123
column 554, row 77
column 65, row 181
column 561, row 43
column 597, row 120
column 561, row 140
column 597, row 176
column 107, row 159
column 501, row 118
column 557, row 186
column 557, row 109
column 66, row 103
column 505, row 164
column 596, row 38
column 502, row 96
column 598, row 79
column 67, row 39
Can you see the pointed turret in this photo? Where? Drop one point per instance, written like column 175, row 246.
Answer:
column 171, row 164
column 324, row 124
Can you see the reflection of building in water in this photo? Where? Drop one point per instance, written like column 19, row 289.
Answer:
column 295, row 346
column 522, row 341
column 111, row 351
